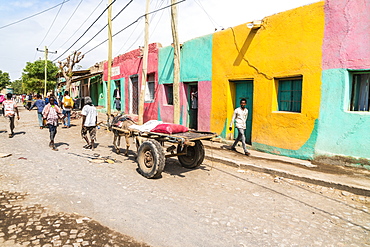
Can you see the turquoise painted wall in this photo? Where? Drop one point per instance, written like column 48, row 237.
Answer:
column 103, row 101
column 305, row 152
column 341, row 132
column 195, row 61
column 196, row 65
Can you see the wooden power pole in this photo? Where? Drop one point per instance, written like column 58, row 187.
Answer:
column 145, row 66
column 46, row 51
column 109, row 56
column 176, row 64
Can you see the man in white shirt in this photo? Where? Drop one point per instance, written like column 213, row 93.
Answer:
column 240, row 117
column 89, row 120
column 10, row 109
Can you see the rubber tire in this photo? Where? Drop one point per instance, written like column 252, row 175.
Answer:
column 155, row 150
column 194, row 157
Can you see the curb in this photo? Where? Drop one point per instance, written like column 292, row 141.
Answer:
column 280, row 173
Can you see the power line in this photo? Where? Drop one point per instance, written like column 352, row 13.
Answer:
column 209, row 17
column 86, row 30
column 81, row 25
column 61, row 6
column 106, row 25
column 133, row 23
column 33, row 15
column 66, row 22
column 141, row 34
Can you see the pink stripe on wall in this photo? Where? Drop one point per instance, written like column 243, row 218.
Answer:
column 347, row 34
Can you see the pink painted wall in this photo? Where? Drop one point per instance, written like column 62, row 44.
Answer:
column 204, row 105
column 131, row 64
column 347, row 34
column 166, row 111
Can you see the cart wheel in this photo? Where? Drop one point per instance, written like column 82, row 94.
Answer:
column 194, row 155
column 151, row 159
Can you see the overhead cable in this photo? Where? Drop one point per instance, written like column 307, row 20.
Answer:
column 106, row 25
column 66, row 23
column 141, row 33
column 34, row 15
column 52, row 24
column 81, row 25
column 86, row 30
column 133, row 23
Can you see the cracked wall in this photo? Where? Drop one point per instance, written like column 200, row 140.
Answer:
column 288, row 44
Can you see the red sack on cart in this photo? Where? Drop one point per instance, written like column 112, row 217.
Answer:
column 169, row 128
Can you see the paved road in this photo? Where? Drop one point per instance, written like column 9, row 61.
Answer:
column 215, row 205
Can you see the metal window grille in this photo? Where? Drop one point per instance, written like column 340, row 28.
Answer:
column 290, row 95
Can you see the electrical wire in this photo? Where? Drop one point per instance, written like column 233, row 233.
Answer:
column 66, row 22
column 34, row 14
column 106, row 24
column 129, row 39
column 86, row 30
column 141, row 33
column 214, row 23
column 81, row 24
column 56, row 16
column 132, row 24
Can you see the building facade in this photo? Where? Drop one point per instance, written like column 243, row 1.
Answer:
column 305, row 74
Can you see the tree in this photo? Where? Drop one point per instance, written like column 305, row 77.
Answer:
column 17, row 87
column 33, row 76
column 67, row 67
column 4, row 80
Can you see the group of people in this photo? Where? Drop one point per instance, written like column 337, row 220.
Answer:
column 49, row 112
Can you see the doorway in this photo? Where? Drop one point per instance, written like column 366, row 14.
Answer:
column 193, row 105
column 244, row 90
column 134, row 95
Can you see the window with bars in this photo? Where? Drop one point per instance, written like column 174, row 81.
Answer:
column 290, row 94
column 168, row 89
column 360, row 93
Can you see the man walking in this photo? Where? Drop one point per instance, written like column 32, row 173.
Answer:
column 40, row 104
column 9, row 110
column 89, row 120
column 52, row 113
column 67, row 104
column 240, row 117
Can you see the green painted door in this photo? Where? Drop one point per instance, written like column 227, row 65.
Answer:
column 244, row 90
column 193, row 106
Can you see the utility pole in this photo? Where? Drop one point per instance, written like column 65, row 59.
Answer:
column 46, row 51
column 109, row 56
column 176, row 64
column 145, row 65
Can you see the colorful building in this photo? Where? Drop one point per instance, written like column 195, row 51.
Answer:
column 126, row 81
column 195, row 74
column 304, row 75
column 277, row 68
column 345, row 99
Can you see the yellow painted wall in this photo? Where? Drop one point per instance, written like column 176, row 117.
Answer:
column 288, row 44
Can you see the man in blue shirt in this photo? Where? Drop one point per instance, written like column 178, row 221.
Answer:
column 40, row 104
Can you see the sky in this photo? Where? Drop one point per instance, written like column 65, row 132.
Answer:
column 64, row 26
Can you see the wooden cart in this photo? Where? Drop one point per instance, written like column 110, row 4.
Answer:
column 186, row 146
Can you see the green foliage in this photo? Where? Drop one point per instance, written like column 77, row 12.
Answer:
column 17, row 87
column 33, row 76
column 4, row 79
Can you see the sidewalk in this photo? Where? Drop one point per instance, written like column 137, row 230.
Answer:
column 351, row 179
column 354, row 180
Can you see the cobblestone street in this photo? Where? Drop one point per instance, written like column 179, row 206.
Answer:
column 61, row 198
